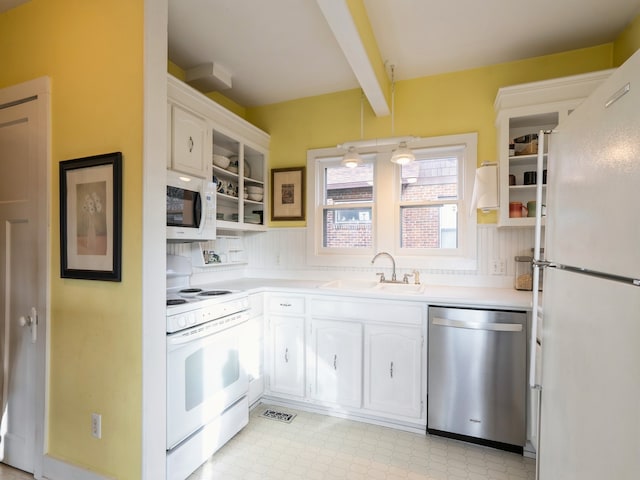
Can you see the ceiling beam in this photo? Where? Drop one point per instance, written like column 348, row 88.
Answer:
column 350, row 25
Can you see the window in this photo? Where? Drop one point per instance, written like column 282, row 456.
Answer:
column 418, row 211
column 347, row 205
column 429, row 197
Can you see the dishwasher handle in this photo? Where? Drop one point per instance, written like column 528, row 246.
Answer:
column 493, row 327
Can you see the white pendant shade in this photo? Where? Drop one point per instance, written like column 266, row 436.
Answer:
column 402, row 155
column 351, row 159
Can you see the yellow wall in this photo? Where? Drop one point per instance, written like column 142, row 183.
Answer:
column 92, row 51
column 428, row 106
column 627, row 42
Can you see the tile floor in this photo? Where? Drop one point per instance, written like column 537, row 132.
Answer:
column 8, row 473
column 318, row 447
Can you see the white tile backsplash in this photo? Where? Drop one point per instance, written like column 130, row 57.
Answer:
column 281, row 253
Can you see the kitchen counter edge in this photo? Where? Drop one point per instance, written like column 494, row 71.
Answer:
column 484, row 297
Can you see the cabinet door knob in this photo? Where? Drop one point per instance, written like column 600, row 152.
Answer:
column 286, row 355
column 190, row 144
column 391, row 370
column 335, row 362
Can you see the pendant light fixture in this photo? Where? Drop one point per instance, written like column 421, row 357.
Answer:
column 352, row 158
column 403, row 154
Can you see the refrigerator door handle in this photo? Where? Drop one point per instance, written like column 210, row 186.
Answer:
column 543, row 264
column 607, row 276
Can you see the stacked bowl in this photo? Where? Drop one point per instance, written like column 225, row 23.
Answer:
column 255, row 193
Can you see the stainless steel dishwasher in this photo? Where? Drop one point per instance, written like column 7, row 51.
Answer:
column 477, row 376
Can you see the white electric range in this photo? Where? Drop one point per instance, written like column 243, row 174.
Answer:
column 207, row 384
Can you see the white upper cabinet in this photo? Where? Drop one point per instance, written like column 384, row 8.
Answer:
column 211, row 142
column 521, row 112
column 190, row 145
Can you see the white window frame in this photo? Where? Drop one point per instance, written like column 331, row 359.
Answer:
column 315, row 212
column 437, row 152
column 386, row 209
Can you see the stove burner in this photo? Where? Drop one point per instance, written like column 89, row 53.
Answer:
column 190, row 290
column 175, row 301
column 213, row 293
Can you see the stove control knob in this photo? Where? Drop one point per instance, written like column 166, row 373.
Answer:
column 191, row 319
column 182, row 321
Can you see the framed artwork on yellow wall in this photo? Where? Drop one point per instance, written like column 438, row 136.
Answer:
column 91, row 217
column 287, row 193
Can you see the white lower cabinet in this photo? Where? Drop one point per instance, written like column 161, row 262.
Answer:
column 287, row 355
column 356, row 356
column 393, row 369
column 336, row 363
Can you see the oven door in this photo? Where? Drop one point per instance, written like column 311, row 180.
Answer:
column 205, row 375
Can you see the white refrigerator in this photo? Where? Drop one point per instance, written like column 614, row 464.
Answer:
column 590, row 372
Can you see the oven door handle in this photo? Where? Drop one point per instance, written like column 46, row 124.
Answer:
column 203, row 331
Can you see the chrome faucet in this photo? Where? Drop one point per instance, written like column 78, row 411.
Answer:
column 393, row 275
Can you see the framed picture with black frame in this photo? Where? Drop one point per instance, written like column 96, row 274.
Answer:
column 287, row 193
column 91, row 217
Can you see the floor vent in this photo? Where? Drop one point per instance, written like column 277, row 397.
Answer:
column 280, row 416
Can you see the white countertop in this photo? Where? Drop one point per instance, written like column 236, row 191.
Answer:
column 433, row 294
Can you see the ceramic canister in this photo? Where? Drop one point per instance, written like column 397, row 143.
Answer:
column 516, row 209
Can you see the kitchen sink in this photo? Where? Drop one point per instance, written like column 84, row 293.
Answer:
column 343, row 284
column 400, row 287
column 374, row 286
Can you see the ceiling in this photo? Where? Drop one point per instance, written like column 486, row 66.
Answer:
column 279, row 50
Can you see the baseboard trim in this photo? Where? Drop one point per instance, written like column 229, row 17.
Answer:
column 55, row 469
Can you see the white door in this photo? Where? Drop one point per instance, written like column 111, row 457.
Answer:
column 23, row 258
column 337, row 370
column 287, row 355
column 393, row 369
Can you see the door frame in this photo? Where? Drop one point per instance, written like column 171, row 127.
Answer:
column 39, row 91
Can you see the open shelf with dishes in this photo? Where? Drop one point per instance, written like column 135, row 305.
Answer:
column 239, row 172
column 522, row 111
column 521, row 171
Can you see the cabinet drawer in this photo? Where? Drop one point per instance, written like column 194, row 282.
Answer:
column 357, row 309
column 286, row 304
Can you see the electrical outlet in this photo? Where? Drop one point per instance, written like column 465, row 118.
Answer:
column 498, row 266
column 96, row 425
